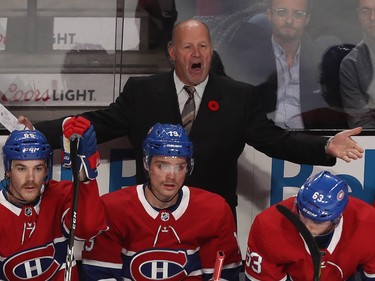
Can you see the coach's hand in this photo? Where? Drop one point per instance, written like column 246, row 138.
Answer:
column 344, row 147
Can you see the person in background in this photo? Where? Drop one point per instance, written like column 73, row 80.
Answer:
column 357, row 83
column 228, row 115
column 329, row 79
column 284, row 69
column 162, row 17
column 36, row 210
column 343, row 228
column 164, row 229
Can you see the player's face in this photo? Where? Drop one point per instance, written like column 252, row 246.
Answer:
column 167, row 175
column 366, row 15
column 191, row 52
column 26, row 179
column 317, row 228
column 289, row 19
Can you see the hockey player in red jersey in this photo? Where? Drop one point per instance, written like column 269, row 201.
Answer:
column 343, row 228
column 36, row 210
column 165, row 230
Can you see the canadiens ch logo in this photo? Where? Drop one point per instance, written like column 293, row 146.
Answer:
column 164, row 216
column 340, row 195
column 36, row 265
column 159, row 265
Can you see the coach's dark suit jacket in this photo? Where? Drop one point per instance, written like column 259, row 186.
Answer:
column 218, row 136
column 257, row 66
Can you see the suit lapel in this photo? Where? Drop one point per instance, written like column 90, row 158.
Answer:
column 212, row 93
column 166, row 98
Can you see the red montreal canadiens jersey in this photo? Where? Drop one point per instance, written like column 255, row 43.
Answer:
column 276, row 249
column 179, row 244
column 34, row 239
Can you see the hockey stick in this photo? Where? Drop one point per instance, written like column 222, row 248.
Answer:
column 309, row 239
column 73, row 219
column 218, row 265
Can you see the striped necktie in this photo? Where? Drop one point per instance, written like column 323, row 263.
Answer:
column 188, row 113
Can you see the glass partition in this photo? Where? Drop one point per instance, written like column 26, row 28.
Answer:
column 291, row 51
column 65, row 57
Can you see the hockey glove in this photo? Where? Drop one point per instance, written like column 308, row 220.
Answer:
column 88, row 156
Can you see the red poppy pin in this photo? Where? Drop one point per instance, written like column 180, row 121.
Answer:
column 213, row 105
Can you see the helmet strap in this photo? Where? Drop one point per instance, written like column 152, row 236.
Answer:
column 149, row 186
column 20, row 201
column 336, row 221
column 10, row 193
